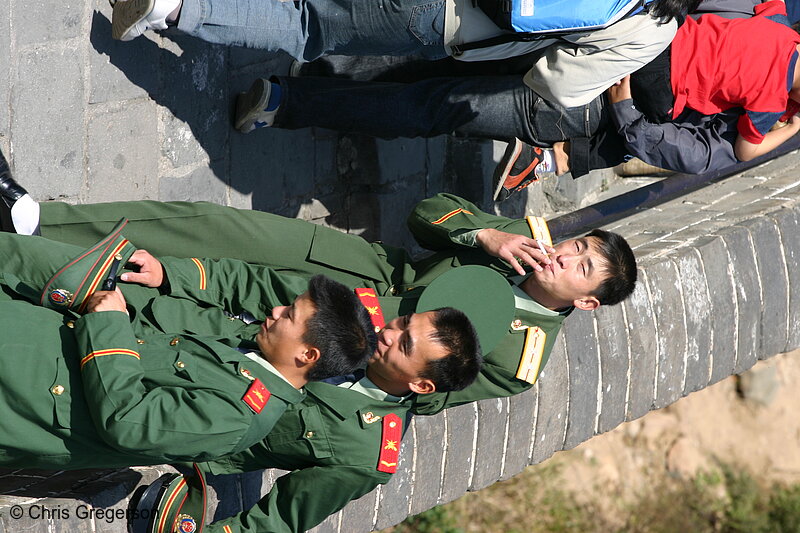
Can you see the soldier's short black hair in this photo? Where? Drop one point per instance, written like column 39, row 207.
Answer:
column 462, row 363
column 620, row 267
column 340, row 328
column 669, row 9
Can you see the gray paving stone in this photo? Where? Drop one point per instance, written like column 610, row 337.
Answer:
column 429, row 438
column 788, row 222
column 120, row 70
column 199, row 185
column 490, row 445
column 774, row 286
column 721, row 321
column 696, row 313
column 748, row 295
column 197, row 118
column 643, row 349
column 401, row 159
column 584, row 374
column 395, row 496
column 6, row 78
column 717, row 192
column 613, row 348
column 521, row 426
column 25, row 524
column 778, row 181
column 403, row 199
column 458, row 465
column 752, row 210
column 48, row 143
column 39, row 22
column 667, row 301
column 656, row 250
column 737, row 206
column 123, row 149
column 266, row 161
column 358, row 515
column 551, row 414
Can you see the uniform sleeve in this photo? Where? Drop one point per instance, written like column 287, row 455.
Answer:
column 681, row 147
column 231, row 284
column 302, row 499
column 576, row 71
column 441, row 222
column 168, row 421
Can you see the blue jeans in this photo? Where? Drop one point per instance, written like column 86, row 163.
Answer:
column 308, row 29
column 490, row 107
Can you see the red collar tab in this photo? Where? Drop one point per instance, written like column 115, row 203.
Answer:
column 370, row 300
column 390, row 443
column 256, row 396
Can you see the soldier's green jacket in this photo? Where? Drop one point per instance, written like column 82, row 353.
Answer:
column 332, row 442
column 106, row 390
column 303, row 248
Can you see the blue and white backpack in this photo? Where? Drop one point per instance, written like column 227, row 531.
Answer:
column 530, row 20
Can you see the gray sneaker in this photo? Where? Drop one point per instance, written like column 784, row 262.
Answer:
column 252, row 108
column 131, row 18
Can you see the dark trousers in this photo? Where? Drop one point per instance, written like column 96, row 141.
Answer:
column 490, row 107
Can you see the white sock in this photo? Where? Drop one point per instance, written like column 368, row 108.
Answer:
column 25, row 215
column 548, row 163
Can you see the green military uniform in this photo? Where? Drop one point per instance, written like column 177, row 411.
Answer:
column 106, row 390
column 336, row 445
column 438, row 223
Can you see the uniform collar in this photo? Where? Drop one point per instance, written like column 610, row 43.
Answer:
column 345, row 401
column 524, row 302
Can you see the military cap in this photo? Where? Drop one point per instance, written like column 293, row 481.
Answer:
column 173, row 503
column 479, row 292
column 73, row 283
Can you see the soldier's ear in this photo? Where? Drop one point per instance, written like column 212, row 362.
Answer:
column 587, row 303
column 422, row 386
column 310, row 356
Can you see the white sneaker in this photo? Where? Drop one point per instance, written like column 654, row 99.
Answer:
column 132, row 18
column 252, row 108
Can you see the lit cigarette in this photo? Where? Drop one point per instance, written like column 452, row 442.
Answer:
column 541, row 246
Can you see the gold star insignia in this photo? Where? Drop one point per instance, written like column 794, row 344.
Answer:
column 391, row 445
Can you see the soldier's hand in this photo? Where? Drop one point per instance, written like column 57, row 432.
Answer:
column 151, row 272
column 517, row 250
column 106, row 301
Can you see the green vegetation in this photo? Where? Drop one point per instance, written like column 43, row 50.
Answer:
column 729, row 500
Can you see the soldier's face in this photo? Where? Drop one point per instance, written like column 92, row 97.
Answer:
column 405, row 347
column 280, row 338
column 576, row 270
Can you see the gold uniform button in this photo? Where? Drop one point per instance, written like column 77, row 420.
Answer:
column 174, row 341
column 246, row 373
column 378, row 329
column 58, row 390
column 70, row 323
column 393, row 290
column 231, row 318
column 309, row 434
column 180, row 364
column 139, row 341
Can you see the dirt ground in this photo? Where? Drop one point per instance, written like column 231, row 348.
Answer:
column 749, row 422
